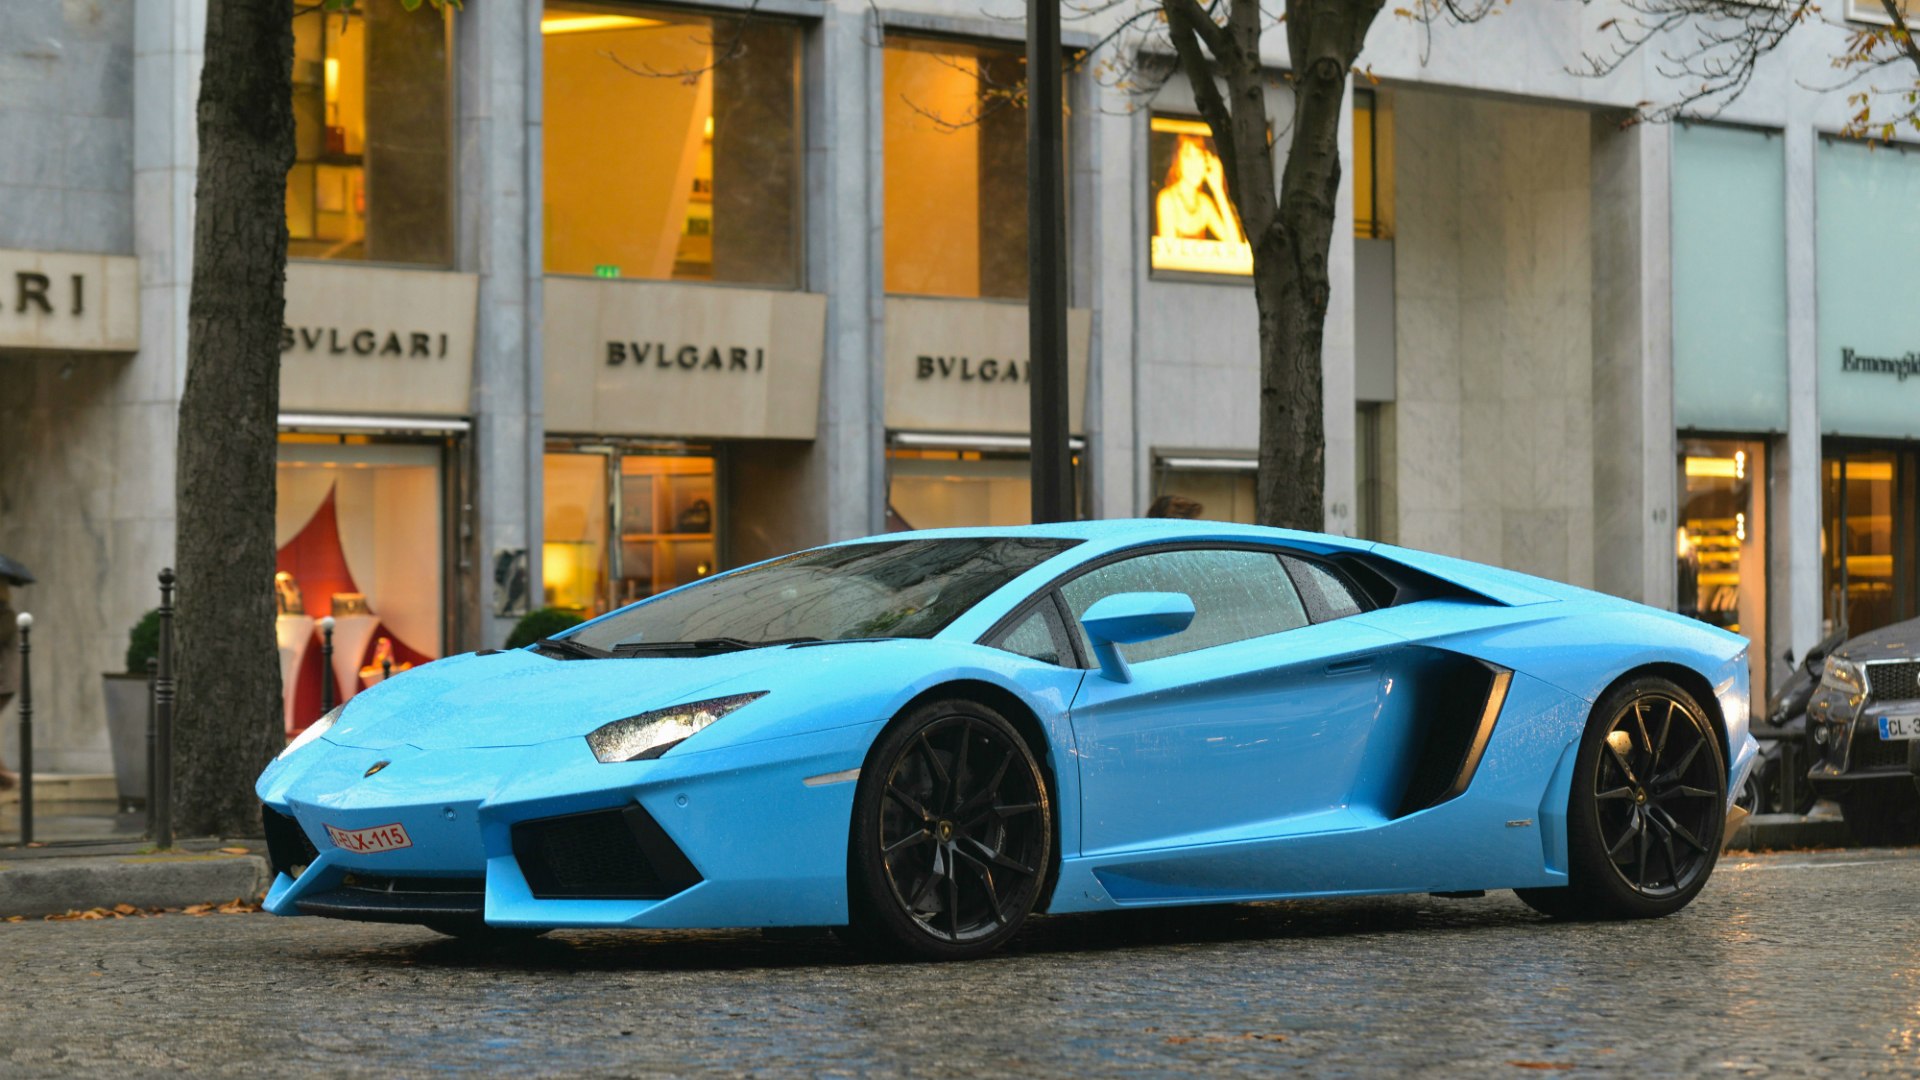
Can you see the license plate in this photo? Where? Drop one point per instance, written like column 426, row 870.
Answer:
column 363, row 841
column 1899, row 727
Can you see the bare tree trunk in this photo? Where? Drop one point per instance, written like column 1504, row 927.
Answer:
column 228, row 724
column 1291, row 237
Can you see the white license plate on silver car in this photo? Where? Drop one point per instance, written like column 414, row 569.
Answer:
column 1899, row 727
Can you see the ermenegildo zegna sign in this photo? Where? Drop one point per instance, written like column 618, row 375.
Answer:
column 69, row 303
column 361, row 339
column 1899, row 367
column 651, row 358
column 962, row 366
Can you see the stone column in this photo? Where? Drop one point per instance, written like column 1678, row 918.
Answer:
column 1108, row 207
column 1633, row 433
column 844, row 222
column 497, row 65
column 1337, row 346
column 1795, row 534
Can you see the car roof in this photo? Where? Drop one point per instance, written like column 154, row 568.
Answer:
column 1124, row 532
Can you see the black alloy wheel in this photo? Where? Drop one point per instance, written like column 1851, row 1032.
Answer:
column 952, row 837
column 1647, row 809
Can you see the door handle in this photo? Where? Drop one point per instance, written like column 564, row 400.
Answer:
column 1350, row 667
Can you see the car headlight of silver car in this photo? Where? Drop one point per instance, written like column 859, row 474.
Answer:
column 650, row 734
column 313, row 732
column 1842, row 677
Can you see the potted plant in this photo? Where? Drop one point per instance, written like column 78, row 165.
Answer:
column 126, row 694
column 543, row 623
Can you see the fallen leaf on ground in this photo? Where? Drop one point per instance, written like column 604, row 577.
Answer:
column 238, row 906
column 125, row 909
column 235, row 851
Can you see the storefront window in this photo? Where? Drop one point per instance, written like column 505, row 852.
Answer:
column 622, row 525
column 358, row 528
column 941, row 489
column 372, row 136
column 1721, row 546
column 1195, row 226
column 1867, row 538
column 573, row 548
column 1372, row 166
column 672, row 144
column 1221, row 486
column 956, row 169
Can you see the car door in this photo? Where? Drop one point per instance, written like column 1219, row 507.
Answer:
column 1253, row 722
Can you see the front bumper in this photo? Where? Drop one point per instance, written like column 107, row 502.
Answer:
column 762, row 845
column 1844, row 732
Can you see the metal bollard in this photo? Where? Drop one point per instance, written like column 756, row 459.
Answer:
column 386, row 669
column 153, row 668
column 163, row 720
column 326, row 665
column 25, row 623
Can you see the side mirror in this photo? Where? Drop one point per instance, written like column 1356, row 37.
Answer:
column 1126, row 618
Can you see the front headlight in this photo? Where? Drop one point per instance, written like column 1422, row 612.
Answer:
column 650, row 734
column 1842, row 677
column 314, row 731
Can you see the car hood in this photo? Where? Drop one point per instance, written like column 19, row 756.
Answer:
column 518, row 698
column 1900, row 641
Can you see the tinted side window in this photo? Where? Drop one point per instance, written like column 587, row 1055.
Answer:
column 1039, row 636
column 1236, row 595
column 1325, row 593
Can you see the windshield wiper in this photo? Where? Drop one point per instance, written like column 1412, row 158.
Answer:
column 569, row 647
column 701, row 645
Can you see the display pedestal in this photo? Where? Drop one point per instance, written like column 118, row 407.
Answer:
column 295, row 634
column 351, row 635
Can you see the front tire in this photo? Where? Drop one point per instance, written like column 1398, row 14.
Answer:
column 1647, row 807
column 952, row 834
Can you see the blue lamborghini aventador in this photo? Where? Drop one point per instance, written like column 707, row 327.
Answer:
column 926, row 737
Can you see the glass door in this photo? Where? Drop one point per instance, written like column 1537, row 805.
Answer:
column 1867, row 538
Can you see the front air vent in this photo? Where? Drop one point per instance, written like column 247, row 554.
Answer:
column 620, row 854
column 289, row 851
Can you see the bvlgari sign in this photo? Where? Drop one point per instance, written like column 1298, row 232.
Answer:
column 962, row 366
column 69, row 303
column 360, row 339
column 653, row 358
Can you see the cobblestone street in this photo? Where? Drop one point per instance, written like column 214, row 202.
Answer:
column 1788, row 963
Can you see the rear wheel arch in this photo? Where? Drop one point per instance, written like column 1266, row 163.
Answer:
column 1696, row 686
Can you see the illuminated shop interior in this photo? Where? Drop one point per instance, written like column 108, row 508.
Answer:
column 623, row 524
column 1720, row 545
column 371, row 115
column 359, row 535
column 660, row 162
column 1867, row 537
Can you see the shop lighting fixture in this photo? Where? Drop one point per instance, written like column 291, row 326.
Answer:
column 1219, row 464
column 430, row 425
column 578, row 24
column 973, row 442
column 1714, row 468
column 1739, row 464
column 1739, row 526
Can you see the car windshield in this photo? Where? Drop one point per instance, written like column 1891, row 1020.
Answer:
column 895, row 589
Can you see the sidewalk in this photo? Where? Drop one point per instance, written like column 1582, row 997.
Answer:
column 56, row 879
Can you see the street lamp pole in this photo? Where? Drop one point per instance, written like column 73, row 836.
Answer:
column 1047, row 268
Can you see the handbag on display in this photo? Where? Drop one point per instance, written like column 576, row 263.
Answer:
column 696, row 518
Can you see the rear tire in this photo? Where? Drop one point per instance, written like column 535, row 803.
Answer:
column 952, row 834
column 1646, row 810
